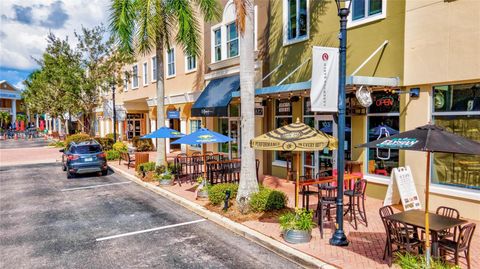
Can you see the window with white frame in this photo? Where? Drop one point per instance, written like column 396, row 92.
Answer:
column 218, row 44
column 125, row 81
column 154, row 68
column 171, row 62
column 195, row 125
column 190, row 63
column 363, row 11
column 232, row 40
column 296, row 20
column 145, row 74
column 135, row 77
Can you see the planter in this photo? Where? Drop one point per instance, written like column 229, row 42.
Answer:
column 202, row 194
column 165, row 182
column 297, row 236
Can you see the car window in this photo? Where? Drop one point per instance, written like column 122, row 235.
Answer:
column 86, row 149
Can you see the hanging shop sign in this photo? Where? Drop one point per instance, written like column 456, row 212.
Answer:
column 384, row 102
column 173, row 114
column 324, row 93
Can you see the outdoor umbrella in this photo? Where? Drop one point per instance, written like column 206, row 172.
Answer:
column 428, row 138
column 294, row 137
column 163, row 132
column 203, row 136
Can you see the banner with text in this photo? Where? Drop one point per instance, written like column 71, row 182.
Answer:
column 324, row 92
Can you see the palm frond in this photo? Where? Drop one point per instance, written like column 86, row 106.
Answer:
column 147, row 23
column 210, row 9
column 241, row 10
column 188, row 33
column 122, row 23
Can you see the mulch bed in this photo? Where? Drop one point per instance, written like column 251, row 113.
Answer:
column 234, row 213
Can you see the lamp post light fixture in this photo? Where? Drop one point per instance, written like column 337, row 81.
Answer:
column 343, row 7
column 114, row 114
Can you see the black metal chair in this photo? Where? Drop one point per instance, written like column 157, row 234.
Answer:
column 326, row 202
column 306, row 192
column 401, row 235
column 448, row 212
column 459, row 244
column 356, row 201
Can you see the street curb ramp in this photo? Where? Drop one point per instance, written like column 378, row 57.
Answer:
column 286, row 251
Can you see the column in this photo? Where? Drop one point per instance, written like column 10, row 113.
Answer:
column 54, row 123
column 167, row 141
column 37, row 121
column 120, row 130
column 183, row 130
column 14, row 110
column 153, row 124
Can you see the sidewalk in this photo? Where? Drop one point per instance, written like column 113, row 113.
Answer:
column 366, row 243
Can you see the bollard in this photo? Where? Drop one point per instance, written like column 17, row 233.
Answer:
column 227, row 197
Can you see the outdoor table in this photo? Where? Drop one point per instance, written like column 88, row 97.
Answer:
column 438, row 223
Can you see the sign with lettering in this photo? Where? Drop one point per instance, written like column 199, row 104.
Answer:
column 324, row 92
column 402, row 187
column 284, row 107
column 259, row 111
column 173, row 114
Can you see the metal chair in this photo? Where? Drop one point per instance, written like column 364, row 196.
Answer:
column 401, row 235
column 326, row 202
column 354, row 197
column 448, row 212
column 459, row 244
column 385, row 212
column 306, row 192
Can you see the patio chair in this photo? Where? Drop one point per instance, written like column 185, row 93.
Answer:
column 401, row 235
column 306, row 192
column 447, row 212
column 291, row 173
column 356, row 198
column 459, row 244
column 326, row 202
column 181, row 162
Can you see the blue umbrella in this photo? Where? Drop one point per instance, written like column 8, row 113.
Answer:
column 203, row 136
column 164, row 132
column 383, row 129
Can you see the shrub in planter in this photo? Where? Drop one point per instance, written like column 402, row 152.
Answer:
column 146, row 167
column 120, row 147
column 107, row 143
column 297, row 227
column 164, row 179
column 142, row 144
column 77, row 138
column 267, row 199
column 111, row 136
column 112, row 155
column 216, row 193
column 202, row 189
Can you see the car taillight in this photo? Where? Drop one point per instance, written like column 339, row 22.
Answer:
column 73, row 157
column 101, row 155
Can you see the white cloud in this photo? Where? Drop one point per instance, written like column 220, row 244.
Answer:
column 22, row 38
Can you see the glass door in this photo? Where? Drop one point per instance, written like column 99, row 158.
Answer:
column 235, row 135
column 327, row 159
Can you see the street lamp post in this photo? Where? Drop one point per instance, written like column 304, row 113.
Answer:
column 339, row 238
column 114, row 115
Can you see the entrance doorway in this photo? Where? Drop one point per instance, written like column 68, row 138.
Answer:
column 174, row 124
column 231, row 128
column 134, row 125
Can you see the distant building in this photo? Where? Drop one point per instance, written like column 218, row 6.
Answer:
column 10, row 99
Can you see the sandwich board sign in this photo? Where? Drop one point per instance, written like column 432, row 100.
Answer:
column 402, row 187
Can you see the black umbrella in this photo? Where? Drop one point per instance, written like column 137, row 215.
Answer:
column 428, row 138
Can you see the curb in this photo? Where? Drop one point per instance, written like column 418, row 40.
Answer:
column 273, row 245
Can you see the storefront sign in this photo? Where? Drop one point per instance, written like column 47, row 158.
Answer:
column 402, row 187
column 173, row 114
column 284, row 107
column 398, row 143
column 324, row 93
column 259, row 111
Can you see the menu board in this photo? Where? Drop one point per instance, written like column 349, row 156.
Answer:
column 402, row 187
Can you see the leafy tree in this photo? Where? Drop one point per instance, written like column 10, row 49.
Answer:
column 145, row 25
column 4, row 118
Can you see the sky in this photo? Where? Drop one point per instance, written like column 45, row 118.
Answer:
column 25, row 24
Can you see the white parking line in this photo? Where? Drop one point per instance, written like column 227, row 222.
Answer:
column 96, row 186
column 149, row 230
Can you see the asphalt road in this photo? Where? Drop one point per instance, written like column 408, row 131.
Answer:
column 49, row 221
column 22, row 143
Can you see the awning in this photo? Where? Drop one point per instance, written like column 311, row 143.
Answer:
column 214, row 100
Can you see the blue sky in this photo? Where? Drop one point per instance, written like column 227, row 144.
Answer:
column 26, row 24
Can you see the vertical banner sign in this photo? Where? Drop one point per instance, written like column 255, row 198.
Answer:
column 402, row 187
column 324, row 92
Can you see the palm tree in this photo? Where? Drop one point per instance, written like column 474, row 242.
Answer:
column 248, row 182
column 146, row 25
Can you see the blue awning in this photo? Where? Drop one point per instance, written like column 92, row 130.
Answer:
column 214, row 100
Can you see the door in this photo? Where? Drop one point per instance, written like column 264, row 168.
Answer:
column 320, row 160
column 175, row 125
column 234, row 129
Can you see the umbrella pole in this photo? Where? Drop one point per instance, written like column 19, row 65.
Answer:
column 204, row 153
column 297, row 187
column 427, row 221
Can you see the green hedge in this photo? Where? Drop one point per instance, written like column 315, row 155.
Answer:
column 77, row 138
column 120, row 147
column 144, row 167
column 267, row 200
column 112, row 155
column 111, row 136
column 107, row 143
column 216, row 193
column 142, row 144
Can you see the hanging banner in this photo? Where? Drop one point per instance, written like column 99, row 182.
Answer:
column 324, row 92
column 402, row 187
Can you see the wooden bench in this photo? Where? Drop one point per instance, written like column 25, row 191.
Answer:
column 128, row 158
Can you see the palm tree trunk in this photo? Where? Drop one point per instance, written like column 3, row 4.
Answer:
column 248, row 182
column 161, row 158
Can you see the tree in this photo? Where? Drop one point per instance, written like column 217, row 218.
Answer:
column 4, row 118
column 145, row 25
column 248, row 182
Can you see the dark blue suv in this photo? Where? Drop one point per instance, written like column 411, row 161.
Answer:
column 84, row 157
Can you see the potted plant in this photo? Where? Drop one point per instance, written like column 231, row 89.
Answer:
column 165, row 178
column 202, row 189
column 297, row 227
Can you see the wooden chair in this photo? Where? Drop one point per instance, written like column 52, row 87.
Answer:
column 130, row 159
column 356, row 198
column 401, row 235
column 459, row 244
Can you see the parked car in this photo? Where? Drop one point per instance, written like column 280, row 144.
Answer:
column 84, row 157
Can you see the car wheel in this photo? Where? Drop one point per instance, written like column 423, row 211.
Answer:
column 64, row 168
column 70, row 175
column 105, row 172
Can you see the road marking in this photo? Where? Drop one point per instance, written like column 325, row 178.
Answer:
column 96, row 186
column 150, row 230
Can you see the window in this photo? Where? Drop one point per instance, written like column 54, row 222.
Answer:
column 218, row 44
column 363, row 11
column 135, row 77
column 154, row 68
column 283, row 116
column 457, row 109
column 195, row 125
column 190, row 63
column 383, row 120
column 296, row 20
column 232, row 40
column 171, row 62
column 125, row 81
column 145, row 74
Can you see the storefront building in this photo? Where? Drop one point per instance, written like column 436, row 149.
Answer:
column 10, row 99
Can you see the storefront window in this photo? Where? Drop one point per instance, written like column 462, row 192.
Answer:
column 383, row 120
column 223, row 129
column 195, row 125
column 283, row 116
column 457, row 109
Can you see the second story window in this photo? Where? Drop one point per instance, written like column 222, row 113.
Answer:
column 218, row 44
column 135, row 77
column 171, row 62
column 232, row 40
column 190, row 63
column 145, row 74
column 296, row 20
column 154, row 68
column 125, row 81
column 364, row 11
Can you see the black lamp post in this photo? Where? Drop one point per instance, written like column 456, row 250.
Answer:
column 114, row 114
column 339, row 238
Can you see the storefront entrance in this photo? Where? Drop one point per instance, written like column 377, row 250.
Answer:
column 324, row 160
column 174, row 124
column 134, row 125
column 231, row 128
